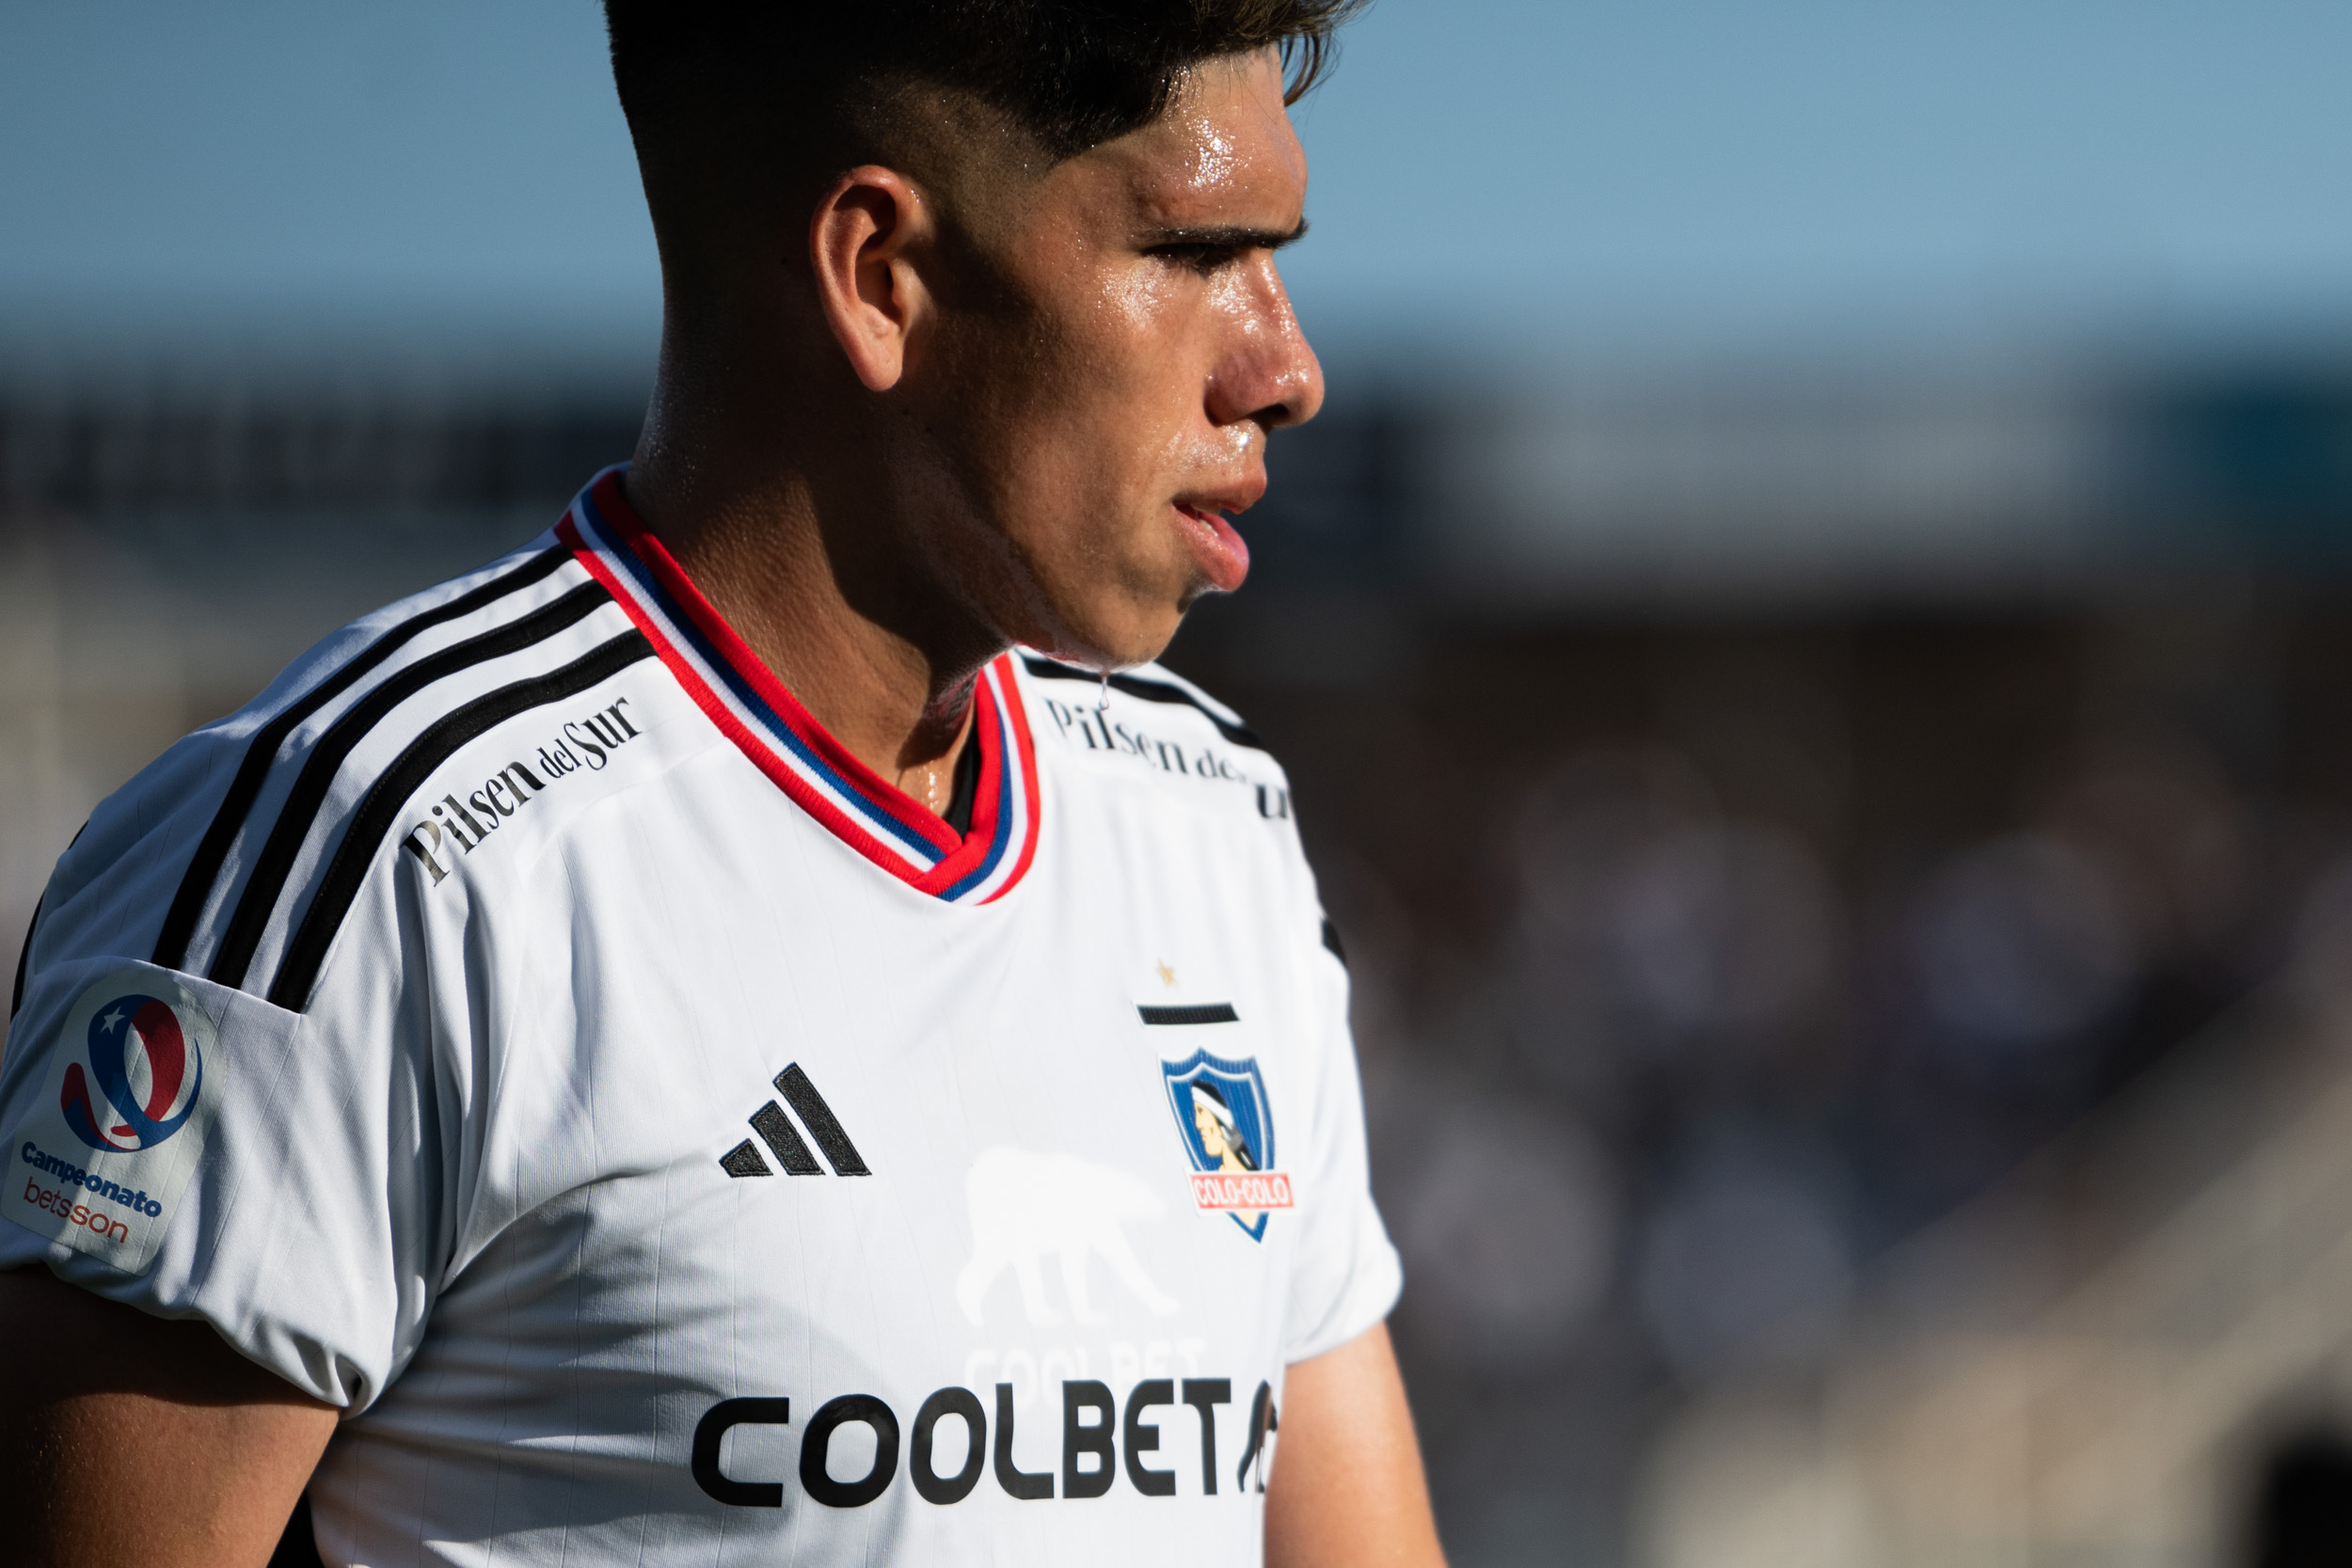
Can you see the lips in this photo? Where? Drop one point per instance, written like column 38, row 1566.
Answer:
column 1223, row 555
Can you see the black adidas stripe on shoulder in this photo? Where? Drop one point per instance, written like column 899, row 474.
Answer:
column 378, row 812
column 24, row 954
column 266, row 882
column 211, row 853
column 24, row 957
column 1150, row 692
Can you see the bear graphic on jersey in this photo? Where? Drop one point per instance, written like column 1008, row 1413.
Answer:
column 1025, row 1205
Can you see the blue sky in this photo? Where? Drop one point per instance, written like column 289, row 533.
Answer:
column 1643, row 172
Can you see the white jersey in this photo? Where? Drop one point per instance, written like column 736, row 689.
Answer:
column 524, row 1028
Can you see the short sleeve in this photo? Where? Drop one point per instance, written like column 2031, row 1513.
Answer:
column 1348, row 1274
column 196, row 1152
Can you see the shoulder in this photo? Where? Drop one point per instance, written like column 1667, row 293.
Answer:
column 236, row 854
column 1153, row 726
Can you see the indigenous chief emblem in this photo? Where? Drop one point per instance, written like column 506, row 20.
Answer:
column 1226, row 1123
column 147, row 1073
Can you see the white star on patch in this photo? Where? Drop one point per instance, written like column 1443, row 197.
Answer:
column 109, row 1021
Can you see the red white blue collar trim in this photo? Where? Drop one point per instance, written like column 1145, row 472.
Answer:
column 746, row 701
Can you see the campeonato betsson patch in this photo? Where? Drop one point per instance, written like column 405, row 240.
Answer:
column 121, row 1126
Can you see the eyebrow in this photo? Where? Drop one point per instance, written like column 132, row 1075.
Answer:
column 1230, row 237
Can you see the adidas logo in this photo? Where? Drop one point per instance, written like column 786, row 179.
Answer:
column 776, row 1130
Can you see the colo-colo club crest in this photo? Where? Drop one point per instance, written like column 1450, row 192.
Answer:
column 1227, row 1127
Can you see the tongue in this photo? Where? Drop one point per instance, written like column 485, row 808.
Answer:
column 1223, row 554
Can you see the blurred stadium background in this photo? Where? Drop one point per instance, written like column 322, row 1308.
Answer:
column 1813, row 641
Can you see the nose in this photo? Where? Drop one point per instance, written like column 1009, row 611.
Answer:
column 1267, row 373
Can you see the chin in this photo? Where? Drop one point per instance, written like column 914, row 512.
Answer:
column 1114, row 642
column 1116, row 604
column 1113, row 653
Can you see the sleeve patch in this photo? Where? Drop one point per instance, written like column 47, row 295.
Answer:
column 134, row 1084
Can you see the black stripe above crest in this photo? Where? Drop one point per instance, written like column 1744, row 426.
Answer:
column 1204, row 1013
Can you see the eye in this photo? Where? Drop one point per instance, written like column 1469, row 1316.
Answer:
column 1203, row 259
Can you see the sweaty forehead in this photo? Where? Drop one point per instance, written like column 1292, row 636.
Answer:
column 1223, row 153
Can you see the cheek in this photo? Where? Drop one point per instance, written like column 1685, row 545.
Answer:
column 1076, row 478
column 1137, row 300
column 1080, row 425
column 1141, row 343
column 1105, row 423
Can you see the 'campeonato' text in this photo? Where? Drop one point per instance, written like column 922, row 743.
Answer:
column 89, row 1215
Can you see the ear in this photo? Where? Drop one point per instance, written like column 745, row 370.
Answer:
column 868, row 234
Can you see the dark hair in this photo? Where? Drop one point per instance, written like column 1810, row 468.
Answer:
column 1072, row 72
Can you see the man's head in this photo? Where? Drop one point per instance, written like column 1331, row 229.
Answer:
column 1009, row 264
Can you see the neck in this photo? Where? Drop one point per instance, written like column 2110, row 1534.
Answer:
column 787, row 522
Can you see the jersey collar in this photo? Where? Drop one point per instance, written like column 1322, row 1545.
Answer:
column 742, row 697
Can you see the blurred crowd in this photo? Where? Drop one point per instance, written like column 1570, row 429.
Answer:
column 1698, row 965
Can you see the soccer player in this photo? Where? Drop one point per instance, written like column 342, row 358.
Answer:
column 688, row 1045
